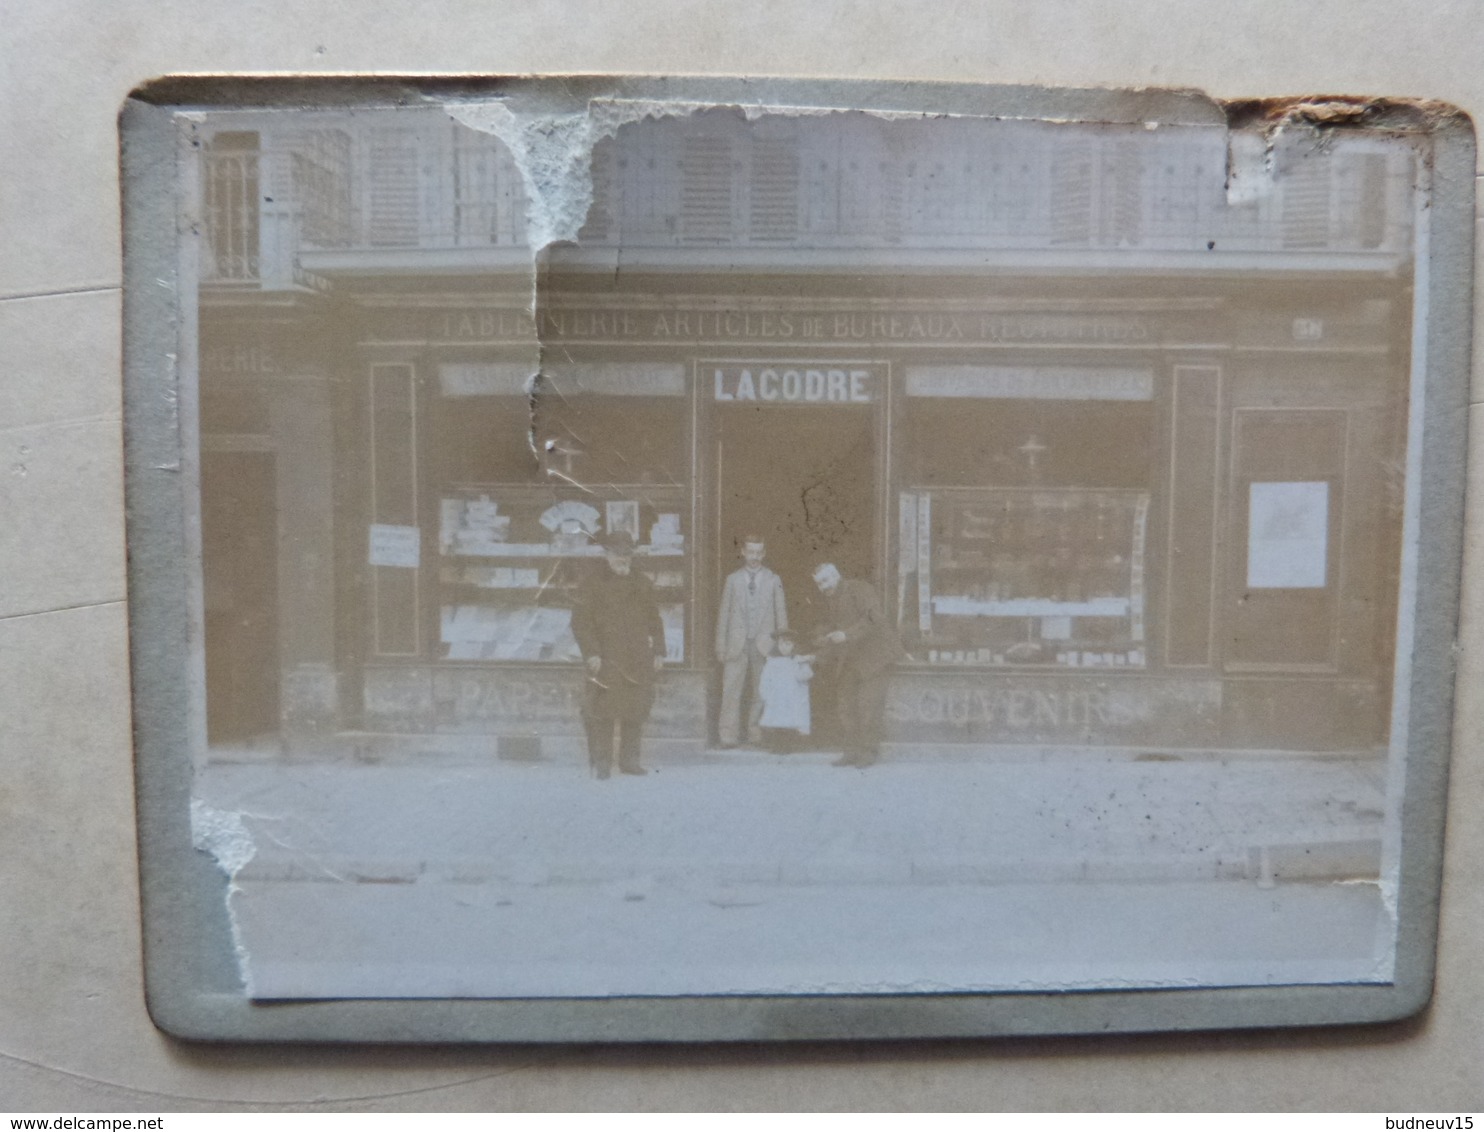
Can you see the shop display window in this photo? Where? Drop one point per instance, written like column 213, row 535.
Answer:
column 591, row 439
column 1022, row 536
column 1024, row 576
column 962, row 442
column 511, row 559
column 524, row 503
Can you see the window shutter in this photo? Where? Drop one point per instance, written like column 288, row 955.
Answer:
column 774, row 212
column 392, row 192
column 1370, row 204
column 321, row 168
column 893, row 201
column 1071, row 195
column 1123, row 196
column 706, row 189
column 1306, row 204
column 476, row 187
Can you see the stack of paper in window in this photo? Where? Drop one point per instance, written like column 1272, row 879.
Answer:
column 481, row 632
column 477, row 526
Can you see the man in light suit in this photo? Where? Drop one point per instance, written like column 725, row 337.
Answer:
column 752, row 612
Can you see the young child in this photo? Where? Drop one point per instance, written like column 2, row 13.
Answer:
column 783, row 688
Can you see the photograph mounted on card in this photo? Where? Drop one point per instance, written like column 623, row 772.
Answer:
column 786, row 559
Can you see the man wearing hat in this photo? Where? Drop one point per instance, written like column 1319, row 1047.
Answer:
column 860, row 640
column 617, row 626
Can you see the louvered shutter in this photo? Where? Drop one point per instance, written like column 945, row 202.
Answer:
column 1071, row 195
column 476, row 187
column 893, row 200
column 773, row 214
column 1305, row 187
column 706, row 189
column 1122, row 195
column 392, row 189
column 1370, row 204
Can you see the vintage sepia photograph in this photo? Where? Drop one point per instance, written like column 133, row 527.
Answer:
column 730, row 550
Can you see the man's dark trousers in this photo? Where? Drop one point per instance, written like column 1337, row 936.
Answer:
column 865, row 659
column 862, row 710
column 600, row 743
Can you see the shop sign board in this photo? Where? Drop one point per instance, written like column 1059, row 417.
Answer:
column 794, row 383
column 488, row 701
column 1049, row 383
column 681, row 323
column 1060, row 708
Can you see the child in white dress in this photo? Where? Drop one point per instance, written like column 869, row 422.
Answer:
column 784, row 689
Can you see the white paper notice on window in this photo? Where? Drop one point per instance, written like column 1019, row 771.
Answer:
column 1288, row 536
column 392, row 545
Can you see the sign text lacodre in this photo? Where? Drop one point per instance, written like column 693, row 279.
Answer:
column 817, row 385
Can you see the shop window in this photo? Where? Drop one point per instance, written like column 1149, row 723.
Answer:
column 596, row 439
column 483, row 426
column 527, row 494
column 1030, row 443
column 512, row 558
column 1022, row 538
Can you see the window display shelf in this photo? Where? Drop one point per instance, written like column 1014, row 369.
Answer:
column 471, row 578
column 515, row 556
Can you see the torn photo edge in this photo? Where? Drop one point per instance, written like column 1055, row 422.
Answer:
column 191, row 971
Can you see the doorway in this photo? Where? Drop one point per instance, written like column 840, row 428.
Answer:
column 804, row 479
column 239, row 568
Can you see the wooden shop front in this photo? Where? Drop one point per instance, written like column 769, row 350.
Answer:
column 1166, row 520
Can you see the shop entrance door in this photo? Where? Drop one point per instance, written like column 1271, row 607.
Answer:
column 240, row 581
column 805, row 480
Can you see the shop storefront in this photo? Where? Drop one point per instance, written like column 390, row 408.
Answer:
column 1168, row 522
column 1121, row 454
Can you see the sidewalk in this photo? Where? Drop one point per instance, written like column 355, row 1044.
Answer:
column 745, row 872
column 986, row 816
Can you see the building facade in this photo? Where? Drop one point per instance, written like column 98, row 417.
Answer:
column 1121, row 448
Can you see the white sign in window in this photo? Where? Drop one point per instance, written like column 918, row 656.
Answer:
column 1288, row 536
column 1053, row 383
column 393, row 545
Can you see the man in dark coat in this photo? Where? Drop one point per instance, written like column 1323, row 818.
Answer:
column 860, row 639
column 618, row 628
